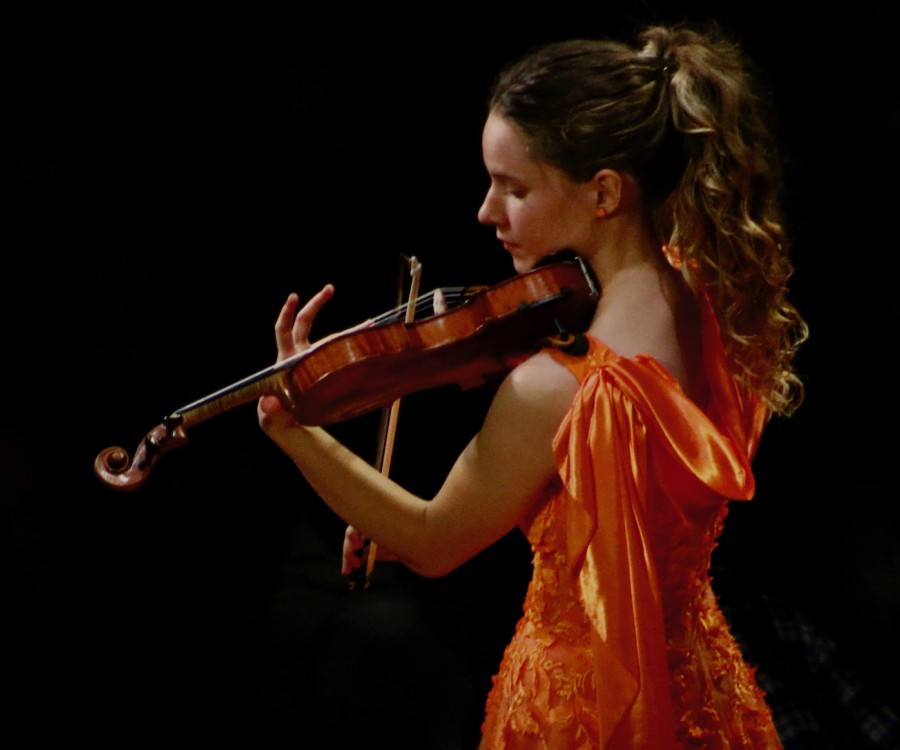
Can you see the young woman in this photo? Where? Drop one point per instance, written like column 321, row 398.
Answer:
column 653, row 163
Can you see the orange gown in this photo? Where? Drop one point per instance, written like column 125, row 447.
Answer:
column 622, row 645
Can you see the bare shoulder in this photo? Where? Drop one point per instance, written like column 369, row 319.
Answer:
column 539, row 389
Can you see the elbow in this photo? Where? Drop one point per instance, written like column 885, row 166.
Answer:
column 436, row 561
column 433, row 551
column 431, row 568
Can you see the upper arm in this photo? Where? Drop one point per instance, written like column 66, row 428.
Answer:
column 504, row 469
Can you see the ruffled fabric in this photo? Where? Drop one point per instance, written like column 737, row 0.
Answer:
column 622, row 645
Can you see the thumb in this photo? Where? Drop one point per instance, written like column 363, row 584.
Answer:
column 270, row 405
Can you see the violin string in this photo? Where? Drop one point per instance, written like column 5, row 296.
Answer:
column 425, row 301
column 400, row 311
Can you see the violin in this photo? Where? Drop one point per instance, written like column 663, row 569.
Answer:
column 483, row 335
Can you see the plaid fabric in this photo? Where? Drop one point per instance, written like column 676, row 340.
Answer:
column 818, row 701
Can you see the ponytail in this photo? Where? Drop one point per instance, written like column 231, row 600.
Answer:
column 725, row 217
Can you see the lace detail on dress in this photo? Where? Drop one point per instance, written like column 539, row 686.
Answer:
column 545, row 693
column 622, row 644
column 717, row 703
column 545, row 689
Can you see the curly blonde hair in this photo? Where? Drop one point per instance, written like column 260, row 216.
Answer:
column 681, row 113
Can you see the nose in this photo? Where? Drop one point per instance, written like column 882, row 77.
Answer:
column 488, row 212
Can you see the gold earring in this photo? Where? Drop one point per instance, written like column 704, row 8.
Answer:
column 601, row 212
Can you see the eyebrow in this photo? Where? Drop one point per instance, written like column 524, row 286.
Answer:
column 504, row 177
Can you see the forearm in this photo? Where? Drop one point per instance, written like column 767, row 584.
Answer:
column 377, row 506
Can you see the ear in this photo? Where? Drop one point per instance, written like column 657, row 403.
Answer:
column 609, row 186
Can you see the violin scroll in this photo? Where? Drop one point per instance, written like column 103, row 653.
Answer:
column 114, row 468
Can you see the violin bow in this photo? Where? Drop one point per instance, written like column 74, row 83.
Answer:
column 363, row 574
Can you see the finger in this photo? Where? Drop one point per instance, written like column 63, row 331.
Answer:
column 352, row 536
column 270, row 405
column 304, row 320
column 349, row 563
column 439, row 302
column 350, row 559
column 284, row 324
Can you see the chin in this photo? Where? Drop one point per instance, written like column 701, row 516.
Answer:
column 526, row 263
column 523, row 265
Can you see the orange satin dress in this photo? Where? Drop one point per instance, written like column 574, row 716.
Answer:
column 622, row 644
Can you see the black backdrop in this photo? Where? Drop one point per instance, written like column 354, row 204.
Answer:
column 171, row 179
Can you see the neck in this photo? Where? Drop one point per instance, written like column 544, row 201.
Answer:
column 624, row 246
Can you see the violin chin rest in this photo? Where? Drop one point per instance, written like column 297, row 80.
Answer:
column 575, row 344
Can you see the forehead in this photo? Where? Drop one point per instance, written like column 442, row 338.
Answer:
column 509, row 156
column 505, row 147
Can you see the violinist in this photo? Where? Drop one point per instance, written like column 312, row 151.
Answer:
column 653, row 162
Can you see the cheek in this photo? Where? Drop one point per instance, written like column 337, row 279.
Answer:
column 542, row 224
column 525, row 218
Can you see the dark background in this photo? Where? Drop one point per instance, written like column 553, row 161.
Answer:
column 171, row 179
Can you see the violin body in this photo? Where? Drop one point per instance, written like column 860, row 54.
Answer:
column 471, row 344
column 367, row 368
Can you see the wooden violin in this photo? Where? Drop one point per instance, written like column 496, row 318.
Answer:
column 486, row 332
